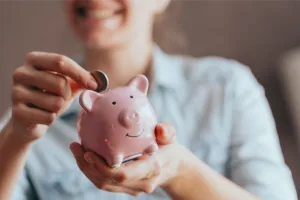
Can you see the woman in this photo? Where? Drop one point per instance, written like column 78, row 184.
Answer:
column 225, row 147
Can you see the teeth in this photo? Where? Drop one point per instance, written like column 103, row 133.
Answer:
column 102, row 14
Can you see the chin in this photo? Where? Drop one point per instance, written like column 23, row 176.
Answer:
column 101, row 41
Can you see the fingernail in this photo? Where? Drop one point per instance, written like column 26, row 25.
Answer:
column 162, row 130
column 92, row 84
column 89, row 158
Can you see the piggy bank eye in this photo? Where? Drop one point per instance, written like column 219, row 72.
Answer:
column 114, row 103
column 131, row 97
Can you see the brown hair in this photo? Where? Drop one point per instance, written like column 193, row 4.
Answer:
column 167, row 31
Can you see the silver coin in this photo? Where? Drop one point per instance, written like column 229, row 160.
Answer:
column 101, row 79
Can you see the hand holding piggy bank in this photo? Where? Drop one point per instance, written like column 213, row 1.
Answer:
column 118, row 124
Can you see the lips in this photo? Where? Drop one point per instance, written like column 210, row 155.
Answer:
column 96, row 20
column 97, row 9
column 100, row 14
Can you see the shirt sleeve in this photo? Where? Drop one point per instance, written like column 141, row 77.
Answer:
column 22, row 190
column 256, row 160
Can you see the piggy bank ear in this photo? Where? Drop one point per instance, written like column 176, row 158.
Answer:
column 139, row 82
column 87, row 99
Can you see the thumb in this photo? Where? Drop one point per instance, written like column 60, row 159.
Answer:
column 165, row 134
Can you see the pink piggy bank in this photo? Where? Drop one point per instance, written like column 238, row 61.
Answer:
column 118, row 124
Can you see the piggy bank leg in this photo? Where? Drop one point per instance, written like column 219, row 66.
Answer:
column 116, row 161
column 152, row 149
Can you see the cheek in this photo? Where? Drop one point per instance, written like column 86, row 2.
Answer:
column 140, row 13
column 141, row 9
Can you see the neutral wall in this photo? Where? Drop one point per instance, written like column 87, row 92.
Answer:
column 253, row 32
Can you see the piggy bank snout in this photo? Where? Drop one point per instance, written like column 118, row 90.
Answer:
column 129, row 117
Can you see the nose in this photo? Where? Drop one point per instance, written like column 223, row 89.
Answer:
column 129, row 118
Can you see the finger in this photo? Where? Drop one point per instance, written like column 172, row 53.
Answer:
column 101, row 177
column 119, row 189
column 98, row 162
column 84, row 162
column 137, row 170
column 27, row 114
column 45, row 101
column 102, row 168
column 118, row 175
column 78, row 152
column 62, row 64
column 88, row 165
column 53, row 83
column 104, row 183
column 144, row 185
column 165, row 134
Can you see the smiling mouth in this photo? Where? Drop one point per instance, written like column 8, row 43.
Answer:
column 84, row 12
column 135, row 136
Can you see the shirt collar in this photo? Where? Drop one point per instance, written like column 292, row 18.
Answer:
column 167, row 73
column 167, row 70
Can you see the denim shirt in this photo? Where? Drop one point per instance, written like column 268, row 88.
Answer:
column 220, row 113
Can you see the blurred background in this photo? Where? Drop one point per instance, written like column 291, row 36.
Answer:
column 265, row 35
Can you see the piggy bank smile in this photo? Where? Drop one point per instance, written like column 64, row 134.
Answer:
column 135, row 136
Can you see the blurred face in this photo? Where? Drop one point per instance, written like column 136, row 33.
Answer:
column 108, row 23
